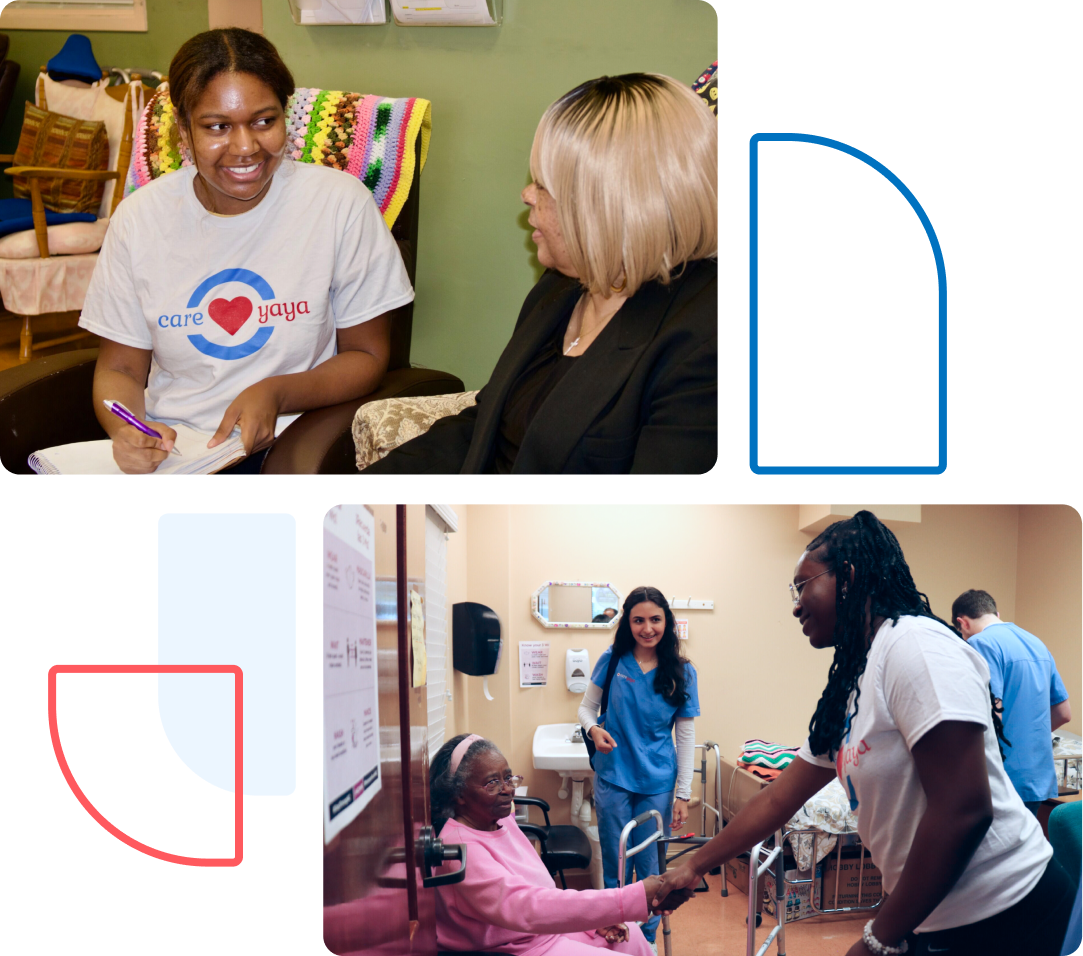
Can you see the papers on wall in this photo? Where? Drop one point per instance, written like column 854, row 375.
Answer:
column 462, row 13
column 351, row 717
column 682, row 629
column 340, row 11
column 533, row 663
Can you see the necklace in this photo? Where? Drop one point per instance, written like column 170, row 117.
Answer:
column 578, row 315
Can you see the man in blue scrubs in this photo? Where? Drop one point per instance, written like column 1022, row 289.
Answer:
column 1024, row 679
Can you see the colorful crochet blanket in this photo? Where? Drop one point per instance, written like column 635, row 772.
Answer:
column 762, row 753
column 370, row 137
column 707, row 86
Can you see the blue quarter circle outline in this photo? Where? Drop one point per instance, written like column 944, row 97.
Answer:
column 942, row 293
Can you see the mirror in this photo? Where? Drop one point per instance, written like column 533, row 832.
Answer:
column 585, row 604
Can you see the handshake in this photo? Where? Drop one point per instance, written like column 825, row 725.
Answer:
column 668, row 891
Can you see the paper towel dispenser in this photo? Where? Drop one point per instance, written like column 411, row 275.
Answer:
column 577, row 669
column 475, row 639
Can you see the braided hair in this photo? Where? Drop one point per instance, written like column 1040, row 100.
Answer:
column 445, row 787
column 669, row 676
column 872, row 579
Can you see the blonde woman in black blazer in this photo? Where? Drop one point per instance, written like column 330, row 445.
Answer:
column 612, row 366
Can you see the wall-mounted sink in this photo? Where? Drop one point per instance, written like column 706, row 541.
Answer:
column 554, row 749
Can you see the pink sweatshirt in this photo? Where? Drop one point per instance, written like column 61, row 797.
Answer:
column 508, row 900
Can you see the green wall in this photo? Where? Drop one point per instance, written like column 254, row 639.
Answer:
column 488, row 89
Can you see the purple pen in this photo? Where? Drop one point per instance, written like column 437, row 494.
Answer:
column 126, row 416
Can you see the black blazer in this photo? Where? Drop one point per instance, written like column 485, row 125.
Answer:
column 643, row 398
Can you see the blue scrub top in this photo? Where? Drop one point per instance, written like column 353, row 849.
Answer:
column 1023, row 675
column 641, row 722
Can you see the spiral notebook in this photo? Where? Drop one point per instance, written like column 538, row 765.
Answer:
column 96, row 457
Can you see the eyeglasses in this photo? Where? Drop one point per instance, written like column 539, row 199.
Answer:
column 795, row 589
column 495, row 785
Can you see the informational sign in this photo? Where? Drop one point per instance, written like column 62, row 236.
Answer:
column 533, row 663
column 682, row 628
column 351, row 720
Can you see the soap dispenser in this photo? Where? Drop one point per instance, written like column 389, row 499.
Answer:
column 577, row 670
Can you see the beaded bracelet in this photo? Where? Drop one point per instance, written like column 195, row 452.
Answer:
column 879, row 948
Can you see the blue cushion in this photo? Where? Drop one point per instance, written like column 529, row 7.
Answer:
column 75, row 61
column 16, row 216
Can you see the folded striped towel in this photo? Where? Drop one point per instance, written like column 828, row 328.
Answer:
column 765, row 773
column 763, row 753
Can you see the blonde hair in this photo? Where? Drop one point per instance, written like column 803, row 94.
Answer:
column 631, row 164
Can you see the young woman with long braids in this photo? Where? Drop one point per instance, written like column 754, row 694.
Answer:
column 907, row 724
column 636, row 766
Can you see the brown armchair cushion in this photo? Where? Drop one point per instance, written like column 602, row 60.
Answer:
column 61, row 142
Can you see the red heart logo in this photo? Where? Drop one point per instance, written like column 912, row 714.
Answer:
column 230, row 314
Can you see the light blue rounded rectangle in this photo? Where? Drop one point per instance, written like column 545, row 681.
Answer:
column 226, row 595
column 754, row 465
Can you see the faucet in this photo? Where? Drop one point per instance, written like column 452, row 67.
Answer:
column 577, row 736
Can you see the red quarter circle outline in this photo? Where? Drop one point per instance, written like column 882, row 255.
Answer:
column 238, row 768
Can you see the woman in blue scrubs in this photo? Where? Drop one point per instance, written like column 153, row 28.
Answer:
column 636, row 767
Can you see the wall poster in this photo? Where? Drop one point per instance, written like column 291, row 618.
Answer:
column 351, row 721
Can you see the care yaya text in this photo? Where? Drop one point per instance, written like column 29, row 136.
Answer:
column 287, row 310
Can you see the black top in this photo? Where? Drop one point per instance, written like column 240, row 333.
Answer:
column 643, row 398
column 528, row 394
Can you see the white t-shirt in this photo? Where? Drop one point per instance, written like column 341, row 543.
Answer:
column 918, row 675
column 225, row 302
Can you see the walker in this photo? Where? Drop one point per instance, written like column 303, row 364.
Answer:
column 774, row 856
column 624, row 854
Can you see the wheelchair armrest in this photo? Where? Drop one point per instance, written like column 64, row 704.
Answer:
column 534, row 802
column 538, row 833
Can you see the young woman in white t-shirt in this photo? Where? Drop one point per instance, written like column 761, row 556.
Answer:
column 243, row 288
column 906, row 722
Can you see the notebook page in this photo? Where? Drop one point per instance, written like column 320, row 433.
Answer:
column 96, row 457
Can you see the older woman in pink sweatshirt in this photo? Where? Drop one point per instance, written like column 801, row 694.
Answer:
column 508, row 902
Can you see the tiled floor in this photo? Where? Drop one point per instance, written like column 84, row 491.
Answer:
column 711, row 925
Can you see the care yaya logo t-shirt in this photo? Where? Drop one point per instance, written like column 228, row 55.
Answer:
column 225, row 302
